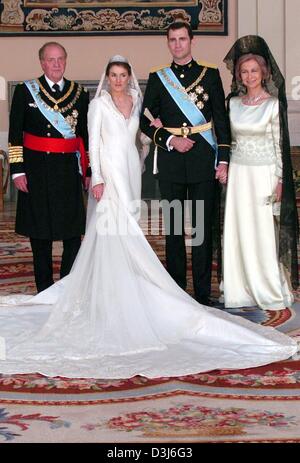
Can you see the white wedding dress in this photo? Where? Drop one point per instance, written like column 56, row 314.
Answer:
column 252, row 273
column 119, row 313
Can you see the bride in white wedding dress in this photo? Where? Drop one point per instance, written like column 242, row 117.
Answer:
column 119, row 313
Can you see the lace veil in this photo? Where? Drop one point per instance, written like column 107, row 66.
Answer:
column 143, row 141
column 133, row 82
column 275, row 85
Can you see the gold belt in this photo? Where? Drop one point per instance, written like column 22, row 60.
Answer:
column 186, row 131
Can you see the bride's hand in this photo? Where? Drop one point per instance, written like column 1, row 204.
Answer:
column 156, row 123
column 98, row 191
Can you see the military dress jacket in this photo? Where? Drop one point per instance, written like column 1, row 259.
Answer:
column 53, row 209
column 203, row 84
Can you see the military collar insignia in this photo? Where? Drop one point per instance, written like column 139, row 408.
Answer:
column 183, row 67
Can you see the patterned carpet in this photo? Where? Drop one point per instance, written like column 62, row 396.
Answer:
column 254, row 405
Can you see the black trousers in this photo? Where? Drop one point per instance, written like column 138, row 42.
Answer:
column 200, row 198
column 42, row 260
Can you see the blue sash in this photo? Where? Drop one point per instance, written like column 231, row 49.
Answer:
column 54, row 117
column 189, row 109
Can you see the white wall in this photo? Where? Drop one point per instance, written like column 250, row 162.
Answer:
column 278, row 22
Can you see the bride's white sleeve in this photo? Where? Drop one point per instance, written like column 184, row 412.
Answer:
column 276, row 139
column 94, row 126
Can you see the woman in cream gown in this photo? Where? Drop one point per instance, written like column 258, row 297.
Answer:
column 119, row 313
column 253, row 273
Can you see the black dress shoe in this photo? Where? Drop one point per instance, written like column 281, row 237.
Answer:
column 204, row 301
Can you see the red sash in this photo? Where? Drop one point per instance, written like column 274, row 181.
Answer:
column 58, row 145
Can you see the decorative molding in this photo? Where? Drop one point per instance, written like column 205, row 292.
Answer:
column 12, row 14
column 67, row 17
column 210, row 12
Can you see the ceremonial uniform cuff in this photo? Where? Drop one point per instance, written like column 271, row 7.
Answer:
column 15, row 154
column 170, row 148
column 17, row 175
column 161, row 137
column 223, row 152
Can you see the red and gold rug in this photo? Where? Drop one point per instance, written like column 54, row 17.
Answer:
column 253, row 405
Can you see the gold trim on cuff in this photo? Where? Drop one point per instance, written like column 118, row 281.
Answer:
column 13, row 160
column 15, row 154
column 154, row 140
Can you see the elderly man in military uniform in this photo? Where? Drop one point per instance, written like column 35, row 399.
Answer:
column 187, row 97
column 48, row 161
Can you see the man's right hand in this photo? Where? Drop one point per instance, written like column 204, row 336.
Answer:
column 21, row 183
column 181, row 144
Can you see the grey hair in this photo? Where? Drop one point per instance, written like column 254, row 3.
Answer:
column 50, row 44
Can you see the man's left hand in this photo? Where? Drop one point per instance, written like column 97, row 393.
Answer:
column 221, row 173
column 156, row 123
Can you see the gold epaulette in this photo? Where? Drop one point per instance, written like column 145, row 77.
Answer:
column 158, row 68
column 81, row 88
column 207, row 65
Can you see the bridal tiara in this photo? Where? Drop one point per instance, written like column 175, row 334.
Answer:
column 118, row 59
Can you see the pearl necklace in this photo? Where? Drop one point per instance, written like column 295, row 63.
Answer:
column 253, row 99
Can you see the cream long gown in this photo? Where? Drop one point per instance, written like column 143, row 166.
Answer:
column 252, row 273
column 119, row 313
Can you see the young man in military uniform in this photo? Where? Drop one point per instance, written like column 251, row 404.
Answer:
column 47, row 141
column 188, row 97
